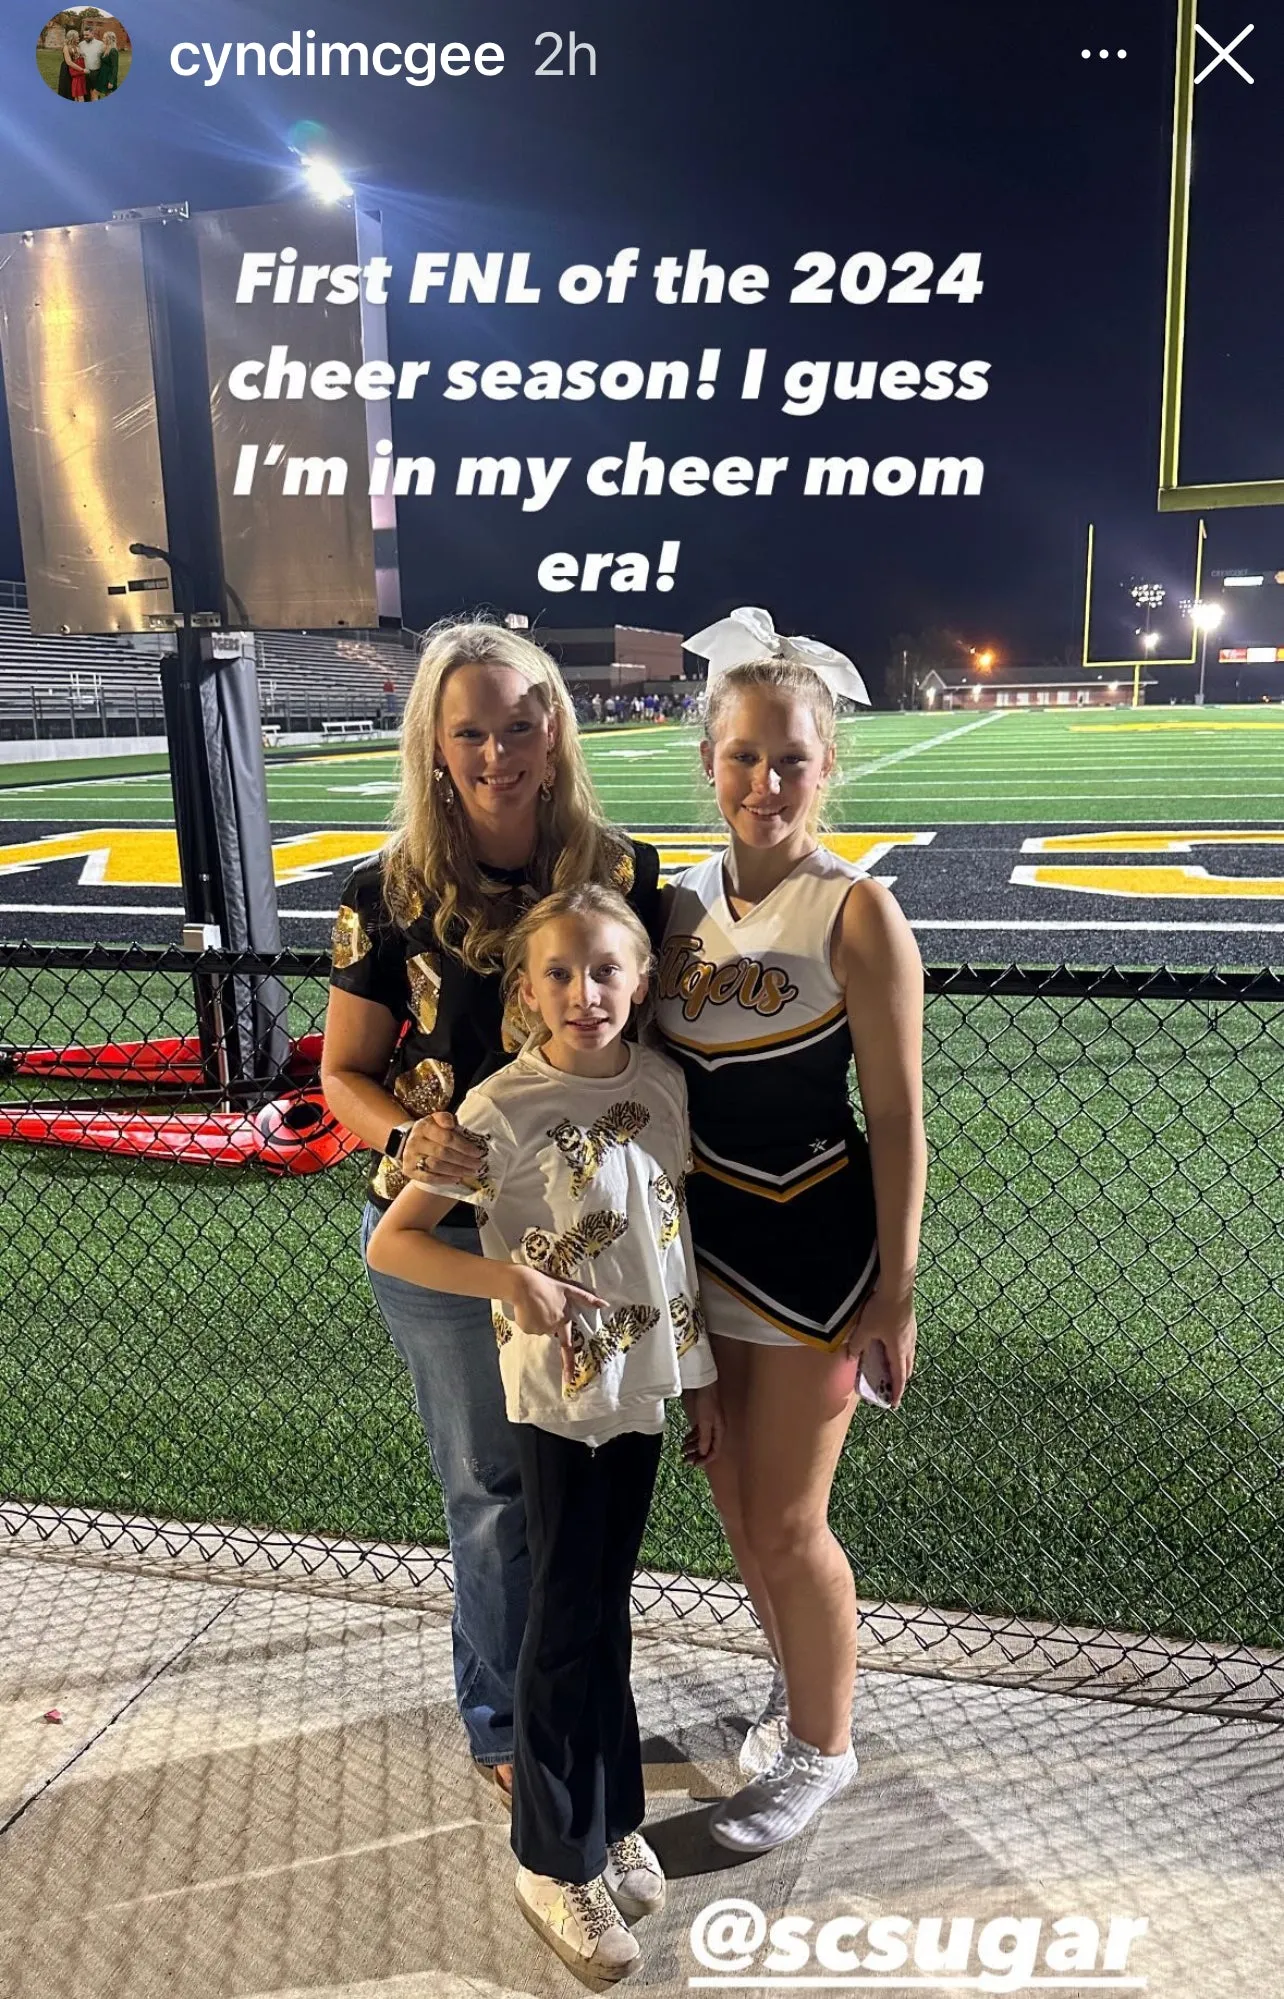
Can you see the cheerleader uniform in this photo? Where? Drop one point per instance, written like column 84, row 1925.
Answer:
column 781, row 1195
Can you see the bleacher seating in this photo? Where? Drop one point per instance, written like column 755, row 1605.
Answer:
column 102, row 686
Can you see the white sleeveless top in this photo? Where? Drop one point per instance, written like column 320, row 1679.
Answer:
column 781, row 1198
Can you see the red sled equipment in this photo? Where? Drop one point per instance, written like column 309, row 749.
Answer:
column 172, row 1063
column 292, row 1133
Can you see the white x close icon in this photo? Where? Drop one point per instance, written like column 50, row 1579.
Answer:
column 1224, row 54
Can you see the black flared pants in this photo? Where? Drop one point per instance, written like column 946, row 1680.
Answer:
column 577, row 1781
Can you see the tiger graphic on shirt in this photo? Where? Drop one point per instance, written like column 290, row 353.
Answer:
column 560, row 1255
column 584, row 1150
column 688, row 1323
column 591, row 1351
column 669, row 1200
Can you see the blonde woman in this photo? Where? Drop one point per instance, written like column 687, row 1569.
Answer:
column 73, row 62
column 496, row 811
column 781, row 965
column 109, row 67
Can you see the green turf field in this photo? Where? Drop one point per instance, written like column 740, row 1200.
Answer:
column 1169, row 765
column 1093, row 1434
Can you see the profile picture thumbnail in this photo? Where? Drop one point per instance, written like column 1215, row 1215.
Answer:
column 84, row 54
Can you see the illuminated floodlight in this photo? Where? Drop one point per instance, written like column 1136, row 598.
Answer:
column 324, row 180
column 1095, row 665
column 1148, row 596
column 1243, row 582
column 1205, row 618
column 1150, row 640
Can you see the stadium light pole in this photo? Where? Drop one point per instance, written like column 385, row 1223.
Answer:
column 1206, row 617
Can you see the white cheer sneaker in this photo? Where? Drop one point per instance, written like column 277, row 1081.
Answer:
column 581, row 1923
column 767, row 1736
column 634, row 1877
column 777, row 1805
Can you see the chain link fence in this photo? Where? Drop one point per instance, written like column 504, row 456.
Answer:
column 1089, row 1465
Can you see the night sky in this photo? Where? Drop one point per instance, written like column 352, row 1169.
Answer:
column 759, row 132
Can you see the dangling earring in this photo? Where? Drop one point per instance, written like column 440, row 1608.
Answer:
column 546, row 786
column 444, row 785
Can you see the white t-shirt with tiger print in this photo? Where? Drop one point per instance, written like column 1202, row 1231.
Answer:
column 585, row 1178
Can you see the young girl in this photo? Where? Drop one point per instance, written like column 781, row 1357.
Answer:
column 586, row 1255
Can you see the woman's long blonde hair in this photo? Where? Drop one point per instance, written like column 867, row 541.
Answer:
column 797, row 682
column 430, row 861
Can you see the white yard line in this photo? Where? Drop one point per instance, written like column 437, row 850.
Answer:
column 917, row 749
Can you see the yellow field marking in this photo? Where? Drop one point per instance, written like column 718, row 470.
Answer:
column 308, row 856
column 120, row 856
column 334, row 763
column 1170, row 884
column 1133, row 842
column 147, row 857
column 1176, row 884
column 683, row 850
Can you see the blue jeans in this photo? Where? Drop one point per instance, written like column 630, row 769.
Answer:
column 448, row 1344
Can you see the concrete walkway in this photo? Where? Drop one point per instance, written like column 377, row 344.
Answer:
column 264, row 1790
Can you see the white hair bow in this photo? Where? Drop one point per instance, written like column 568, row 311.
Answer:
column 749, row 634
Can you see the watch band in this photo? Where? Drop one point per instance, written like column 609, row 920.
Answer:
column 397, row 1142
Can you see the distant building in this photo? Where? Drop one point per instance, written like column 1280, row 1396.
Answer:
column 56, row 36
column 614, row 659
column 1026, row 687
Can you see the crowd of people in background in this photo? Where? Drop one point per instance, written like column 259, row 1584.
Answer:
column 617, row 710
column 636, row 707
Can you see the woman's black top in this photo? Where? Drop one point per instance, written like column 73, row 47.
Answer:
column 454, row 1028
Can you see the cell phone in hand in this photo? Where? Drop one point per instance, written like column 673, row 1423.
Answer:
column 875, row 1383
